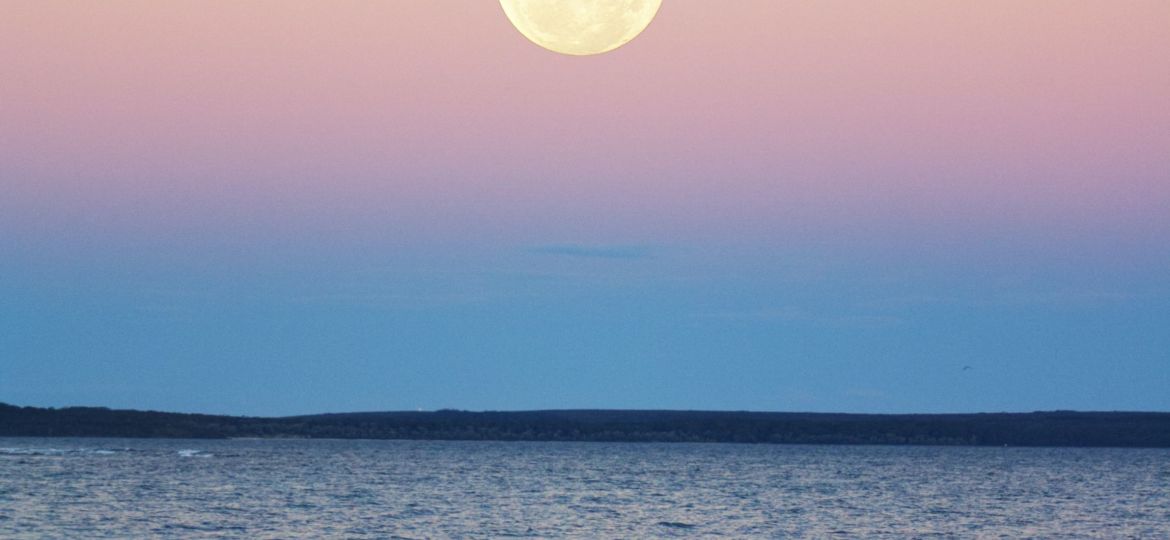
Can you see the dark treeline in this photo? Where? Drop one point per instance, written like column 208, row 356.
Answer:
column 1058, row 428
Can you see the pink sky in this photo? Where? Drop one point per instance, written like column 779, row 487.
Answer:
column 741, row 119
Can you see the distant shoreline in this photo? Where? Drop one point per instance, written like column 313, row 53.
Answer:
column 1051, row 428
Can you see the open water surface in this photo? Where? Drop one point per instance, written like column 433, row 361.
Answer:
column 123, row 488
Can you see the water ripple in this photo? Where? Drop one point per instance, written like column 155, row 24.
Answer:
column 96, row 488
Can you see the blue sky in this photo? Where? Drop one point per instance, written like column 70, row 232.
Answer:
column 564, row 326
column 888, row 206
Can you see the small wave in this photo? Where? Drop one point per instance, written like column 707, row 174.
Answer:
column 676, row 525
column 204, row 527
column 32, row 452
column 187, row 452
column 61, row 451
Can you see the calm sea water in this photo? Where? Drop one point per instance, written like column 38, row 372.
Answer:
column 121, row 488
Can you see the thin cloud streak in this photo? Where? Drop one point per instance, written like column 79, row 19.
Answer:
column 596, row 252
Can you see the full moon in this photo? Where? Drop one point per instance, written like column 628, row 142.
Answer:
column 581, row 27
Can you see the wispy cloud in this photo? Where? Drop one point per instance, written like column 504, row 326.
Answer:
column 798, row 315
column 594, row 251
column 1058, row 297
column 399, row 301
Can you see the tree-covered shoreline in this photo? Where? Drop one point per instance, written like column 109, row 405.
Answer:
column 1051, row 428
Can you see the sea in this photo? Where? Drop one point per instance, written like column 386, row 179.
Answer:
column 156, row 488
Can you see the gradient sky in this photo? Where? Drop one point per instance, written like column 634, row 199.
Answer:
column 281, row 207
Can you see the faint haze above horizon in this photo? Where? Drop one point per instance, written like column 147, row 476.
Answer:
column 277, row 208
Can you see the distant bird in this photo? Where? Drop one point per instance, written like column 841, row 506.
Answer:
column 967, row 368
